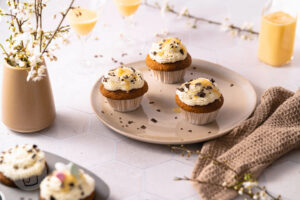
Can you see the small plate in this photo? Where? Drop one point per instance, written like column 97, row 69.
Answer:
column 159, row 104
column 102, row 190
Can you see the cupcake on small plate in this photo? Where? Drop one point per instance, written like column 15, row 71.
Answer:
column 23, row 166
column 168, row 60
column 67, row 182
column 200, row 100
column 123, row 88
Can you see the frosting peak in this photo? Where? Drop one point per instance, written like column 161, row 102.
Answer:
column 67, row 182
column 168, row 50
column 123, row 78
column 199, row 92
column 22, row 161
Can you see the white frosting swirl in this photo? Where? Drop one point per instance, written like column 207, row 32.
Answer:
column 123, row 78
column 168, row 50
column 22, row 161
column 199, row 92
column 70, row 189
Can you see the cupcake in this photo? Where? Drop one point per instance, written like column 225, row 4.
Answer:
column 200, row 100
column 67, row 182
column 168, row 60
column 123, row 88
column 23, row 166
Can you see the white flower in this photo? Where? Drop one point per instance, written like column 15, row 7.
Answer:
column 42, row 71
column 31, row 74
column 21, row 63
column 255, row 197
column 35, row 59
column 249, row 185
column 164, row 7
column 264, row 196
column 247, row 26
column 37, row 78
column 224, row 184
column 184, row 12
column 225, row 26
column 241, row 191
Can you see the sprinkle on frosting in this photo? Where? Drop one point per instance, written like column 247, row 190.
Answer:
column 123, row 78
column 22, row 161
column 168, row 50
column 67, row 182
column 199, row 91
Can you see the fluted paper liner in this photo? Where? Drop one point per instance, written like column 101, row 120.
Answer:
column 125, row 105
column 169, row 76
column 200, row 118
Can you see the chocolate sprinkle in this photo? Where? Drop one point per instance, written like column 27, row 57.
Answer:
column 231, row 85
column 130, row 122
column 71, row 184
column 33, row 156
column 212, row 80
column 190, row 131
column 154, row 120
column 181, row 51
column 201, row 94
column 208, row 87
column 158, row 110
column 52, row 198
column 187, row 85
column 198, row 84
column 151, row 102
column 34, row 146
column 143, row 127
column 180, row 89
column 154, row 52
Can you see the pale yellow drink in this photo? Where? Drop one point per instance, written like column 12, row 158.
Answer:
column 82, row 20
column 276, row 38
column 127, row 7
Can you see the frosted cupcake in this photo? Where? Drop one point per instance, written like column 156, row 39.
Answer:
column 23, row 166
column 168, row 60
column 67, row 182
column 123, row 88
column 200, row 100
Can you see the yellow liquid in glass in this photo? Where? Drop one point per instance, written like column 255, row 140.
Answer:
column 276, row 38
column 82, row 20
column 127, row 7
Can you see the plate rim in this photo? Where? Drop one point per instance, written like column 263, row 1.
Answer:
column 151, row 141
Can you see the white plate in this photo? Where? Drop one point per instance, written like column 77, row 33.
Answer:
column 171, row 127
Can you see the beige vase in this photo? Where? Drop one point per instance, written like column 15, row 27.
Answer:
column 27, row 106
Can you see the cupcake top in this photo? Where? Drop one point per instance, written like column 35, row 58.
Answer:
column 67, row 182
column 123, row 78
column 22, row 161
column 168, row 50
column 198, row 92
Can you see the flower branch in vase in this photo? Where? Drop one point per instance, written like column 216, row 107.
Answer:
column 26, row 46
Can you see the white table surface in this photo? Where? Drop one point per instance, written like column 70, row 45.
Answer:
column 135, row 170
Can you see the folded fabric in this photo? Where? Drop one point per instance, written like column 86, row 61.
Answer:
column 272, row 131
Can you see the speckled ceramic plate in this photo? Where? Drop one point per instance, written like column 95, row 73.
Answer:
column 8, row 193
column 159, row 104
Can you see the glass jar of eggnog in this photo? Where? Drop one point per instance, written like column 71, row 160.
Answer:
column 277, row 32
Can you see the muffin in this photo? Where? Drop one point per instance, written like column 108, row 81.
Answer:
column 23, row 166
column 168, row 60
column 67, row 182
column 123, row 88
column 200, row 100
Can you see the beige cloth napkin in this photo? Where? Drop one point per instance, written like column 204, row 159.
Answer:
column 272, row 130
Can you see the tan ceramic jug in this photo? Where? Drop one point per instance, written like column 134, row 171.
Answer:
column 27, row 106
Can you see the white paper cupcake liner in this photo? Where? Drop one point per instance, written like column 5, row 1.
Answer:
column 169, row 76
column 125, row 105
column 200, row 118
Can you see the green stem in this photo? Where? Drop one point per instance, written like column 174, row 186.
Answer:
column 3, row 49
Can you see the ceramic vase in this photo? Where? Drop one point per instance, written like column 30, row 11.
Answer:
column 27, row 106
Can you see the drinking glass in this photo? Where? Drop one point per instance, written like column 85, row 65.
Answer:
column 83, row 18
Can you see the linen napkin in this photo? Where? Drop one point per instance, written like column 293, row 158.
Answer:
column 272, row 131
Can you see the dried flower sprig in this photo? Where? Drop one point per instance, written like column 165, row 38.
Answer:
column 246, row 32
column 245, row 185
column 28, row 42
